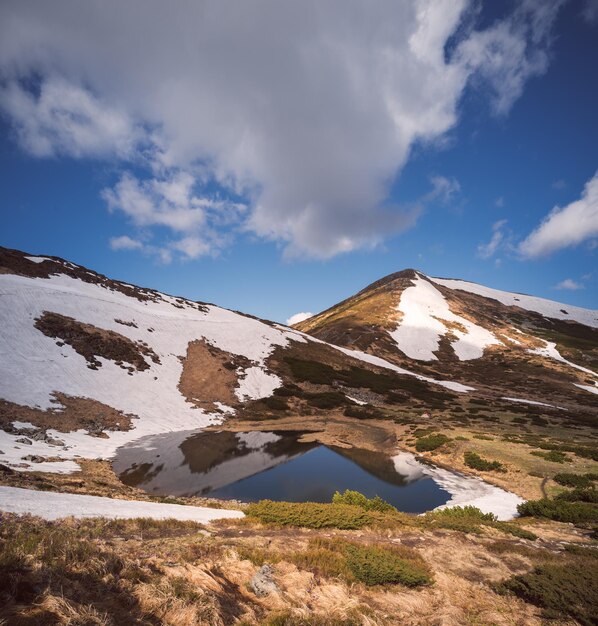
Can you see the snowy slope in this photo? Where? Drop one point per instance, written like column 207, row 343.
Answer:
column 51, row 506
column 418, row 334
column 547, row 308
column 33, row 366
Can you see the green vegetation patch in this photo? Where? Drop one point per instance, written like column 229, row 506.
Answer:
column 375, row 565
column 561, row 510
column 554, row 456
column 563, row 589
column 309, row 514
column 475, row 461
column 355, row 498
column 351, row 561
column 470, row 519
column 575, row 480
column 431, row 442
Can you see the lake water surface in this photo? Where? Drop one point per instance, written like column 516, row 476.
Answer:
column 255, row 465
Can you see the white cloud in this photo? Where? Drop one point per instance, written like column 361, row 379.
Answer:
column 124, row 242
column 487, row 250
column 565, row 227
column 444, row 189
column 570, row 284
column 499, row 202
column 512, row 51
column 65, row 119
column 298, row 317
column 307, row 110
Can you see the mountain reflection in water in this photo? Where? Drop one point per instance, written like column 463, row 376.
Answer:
column 256, row 465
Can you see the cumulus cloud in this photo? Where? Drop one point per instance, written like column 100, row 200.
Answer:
column 569, row 284
column 567, row 226
column 298, row 317
column 65, row 119
column 306, row 110
column 124, row 242
column 498, row 239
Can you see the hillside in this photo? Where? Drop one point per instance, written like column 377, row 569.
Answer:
column 88, row 364
column 509, row 345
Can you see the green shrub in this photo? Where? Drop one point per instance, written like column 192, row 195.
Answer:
column 588, row 494
column 475, row 461
column 431, row 442
column 465, row 512
column 568, row 589
column 309, row 514
column 575, row 480
column 515, row 530
column 560, row 510
column 483, row 437
column 355, row 498
column 554, row 456
column 373, row 565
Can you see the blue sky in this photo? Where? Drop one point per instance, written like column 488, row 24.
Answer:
column 277, row 174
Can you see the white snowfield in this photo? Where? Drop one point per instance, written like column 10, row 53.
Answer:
column 547, row 308
column 549, row 351
column 464, row 490
column 52, row 506
column 33, row 366
column 418, row 334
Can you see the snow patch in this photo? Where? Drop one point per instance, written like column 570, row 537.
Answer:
column 24, row 425
column 52, row 506
column 38, row 259
column 590, row 388
column 550, row 351
column 256, row 384
column 464, row 490
column 419, row 332
column 552, row 406
column 547, row 308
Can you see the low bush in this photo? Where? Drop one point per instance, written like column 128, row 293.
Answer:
column 469, row 519
column 554, row 456
column 309, row 514
column 431, row 442
column 465, row 512
column 575, row 480
column 475, row 461
column 358, row 499
column 374, row 565
column 561, row 510
column 588, row 494
column 350, row 561
column 564, row 589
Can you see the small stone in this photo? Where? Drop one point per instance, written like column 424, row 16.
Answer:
column 262, row 583
column 25, row 441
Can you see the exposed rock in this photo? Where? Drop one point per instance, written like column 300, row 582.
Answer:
column 262, row 583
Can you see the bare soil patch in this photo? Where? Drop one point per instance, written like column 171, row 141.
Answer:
column 71, row 413
column 92, row 342
column 210, row 375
